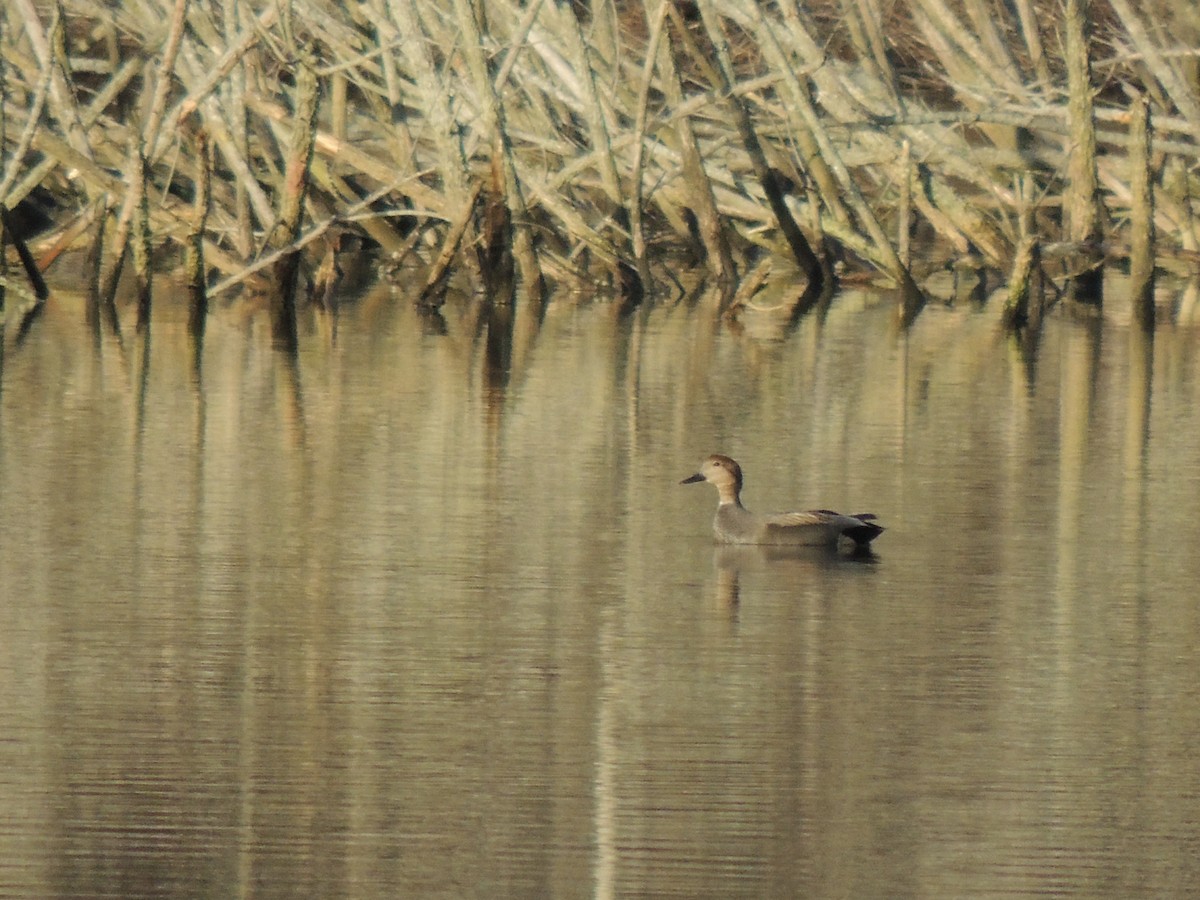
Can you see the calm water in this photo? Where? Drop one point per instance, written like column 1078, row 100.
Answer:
column 423, row 614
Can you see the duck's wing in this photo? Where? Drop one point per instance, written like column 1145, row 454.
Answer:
column 818, row 517
column 861, row 529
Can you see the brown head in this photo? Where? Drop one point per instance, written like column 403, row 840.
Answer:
column 722, row 472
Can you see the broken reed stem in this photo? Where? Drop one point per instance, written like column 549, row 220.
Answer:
column 495, row 242
column 1081, row 204
column 163, row 81
column 234, row 94
column 135, row 203
column 337, row 105
column 41, row 139
column 903, row 211
column 135, row 182
column 142, row 246
column 51, row 54
column 493, row 124
column 698, row 186
column 822, row 163
column 197, row 280
column 94, row 263
column 637, row 234
column 628, row 276
column 1141, row 213
column 803, row 253
column 291, row 206
column 1022, row 302
column 31, row 124
column 9, row 231
column 433, row 294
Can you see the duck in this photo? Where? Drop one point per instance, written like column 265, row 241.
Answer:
column 734, row 524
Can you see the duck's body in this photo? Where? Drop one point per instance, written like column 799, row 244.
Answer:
column 734, row 524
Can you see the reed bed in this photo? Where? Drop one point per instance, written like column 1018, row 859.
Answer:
column 615, row 145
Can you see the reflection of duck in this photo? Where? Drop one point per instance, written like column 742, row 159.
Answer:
column 734, row 524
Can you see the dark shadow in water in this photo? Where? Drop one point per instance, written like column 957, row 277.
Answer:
column 730, row 561
column 289, row 370
column 196, row 342
column 143, row 389
column 28, row 317
column 908, row 307
column 498, row 322
column 970, row 282
column 1093, row 327
column 1027, row 341
column 778, row 321
column 197, row 345
column 432, row 321
column 327, row 319
column 1141, row 390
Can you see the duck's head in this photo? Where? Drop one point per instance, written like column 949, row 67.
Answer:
column 723, row 472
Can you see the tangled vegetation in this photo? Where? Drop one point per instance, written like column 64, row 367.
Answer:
column 547, row 143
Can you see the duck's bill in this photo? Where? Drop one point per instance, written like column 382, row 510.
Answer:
column 692, row 479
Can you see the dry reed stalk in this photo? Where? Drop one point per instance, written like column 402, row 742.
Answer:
column 492, row 122
column 614, row 209
column 1141, row 214
column 338, row 85
column 135, row 174
column 164, row 76
column 637, row 233
column 749, row 284
column 142, row 246
column 495, row 246
column 31, row 123
column 51, row 54
column 197, row 280
column 809, row 264
column 386, row 36
column 903, row 210
column 433, row 294
column 866, row 30
column 234, row 103
column 701, row 198
column 435, row 95
column 134, row 180
column 95, row 261
column 1023, row 286
column 1080, row 203
column 836, row 95
column 849, row 101
column 229, row 145
column 5, row 222
column 1031, row 35
column 822, row 163
column 974, row 52
column 38, row 172
column 291, row 205
column 352, row 157
column 1164, row 67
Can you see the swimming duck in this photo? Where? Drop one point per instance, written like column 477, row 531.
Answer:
column 734, row 524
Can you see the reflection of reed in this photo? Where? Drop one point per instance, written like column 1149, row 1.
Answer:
column 802, row 564
column 1137, row 434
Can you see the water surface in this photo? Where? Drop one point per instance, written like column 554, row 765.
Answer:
column 423, row 611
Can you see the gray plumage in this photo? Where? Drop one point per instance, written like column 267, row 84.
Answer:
column 734, row 524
